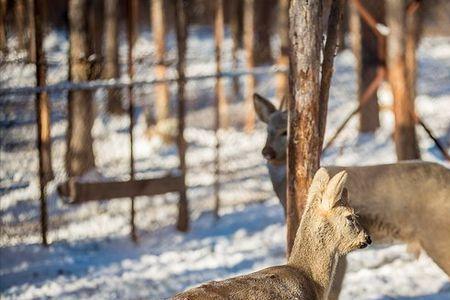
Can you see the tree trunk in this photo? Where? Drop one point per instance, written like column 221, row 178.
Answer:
column 3, row 38
column 236, row 35
column 159, row 39
column 19, row 14
column 304, row 145
column 262, row 27
column 283, row 58
column 31, row 32
column 95, row 37
column 249, row 37
column 365, row 48
column 111, row 66
column 405, row 134
column 219, row 32
column 181, row 26
column 80, row 154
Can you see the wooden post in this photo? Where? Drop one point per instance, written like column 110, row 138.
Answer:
column 405, row 134
column 131, row 37
column 366, row 49
column 31, row 32
column 283, row 58
column 263, row 15
column 3, row 38
column 19, row 15
column 249, row 36
column 159, row 32
column 236, row 34
column 181, row 26
column 43, row 115
column 111, row 50
column 413, row 28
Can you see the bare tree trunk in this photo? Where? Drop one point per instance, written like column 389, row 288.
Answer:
column 405, row 134
column 365, row 48
column 43, row 114
column 263, row 17
column 111, row 66
column 249, row 37
column 181, row 26
column 159, row 38
column 283, row 58
column 3, row 38
column 304, row 147
column 80, row 154
column 414, row 27
column 219, row 33
column 19, row 14
column 95, row 32
column 31, row 32
column 236, row 35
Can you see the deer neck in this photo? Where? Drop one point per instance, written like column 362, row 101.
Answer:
column 314, row 257
column 277, row 173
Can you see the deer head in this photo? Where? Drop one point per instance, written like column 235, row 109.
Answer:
column 275, row 148
column 328, row 217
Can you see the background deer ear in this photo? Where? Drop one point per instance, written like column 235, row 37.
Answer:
column 318, row 184
column 263, row 107
column 334, row 190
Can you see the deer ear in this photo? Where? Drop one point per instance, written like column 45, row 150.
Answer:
column 263, row 107
column 334, row 190
column 318, row 184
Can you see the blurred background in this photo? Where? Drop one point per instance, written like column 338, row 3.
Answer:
column 183, row 195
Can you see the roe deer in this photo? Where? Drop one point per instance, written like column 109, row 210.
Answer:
column 328, row 229
column 405, row 202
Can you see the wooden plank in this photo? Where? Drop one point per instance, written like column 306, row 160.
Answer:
column 81, row 192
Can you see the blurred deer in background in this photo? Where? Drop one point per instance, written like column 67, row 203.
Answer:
column 328, row 229
column 405, row 202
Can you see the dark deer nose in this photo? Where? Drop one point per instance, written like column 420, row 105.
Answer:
column 368, row 240
column 268, row 153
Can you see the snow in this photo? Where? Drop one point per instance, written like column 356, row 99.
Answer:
column 92, row 256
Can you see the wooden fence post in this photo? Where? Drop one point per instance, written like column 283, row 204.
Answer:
column 132, row 10
column 405, row 134
column 181, row 26
column 43, row 114
column 249, row 36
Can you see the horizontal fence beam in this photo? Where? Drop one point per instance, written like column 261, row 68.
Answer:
column 126, row 82
column 80, row 192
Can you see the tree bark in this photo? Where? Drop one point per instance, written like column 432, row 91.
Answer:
column 3, row 38
column 304, row 147
column 159, row 39
column 263, row 15
column 181, row 26
column 283, row 58
column 236, row 35
column 80, row 153
column 19, row 15
column 365, row 48
column 219, row 32
column 95, row 37
column 111, row 66
column 249, row 37
column 31, row 32
column 405, row 134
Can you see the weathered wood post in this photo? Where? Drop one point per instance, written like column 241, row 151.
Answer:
column 308, row 101
column 132, row 10
column 159, row 39
column 181, row 26
column 43, row 114
column 405, row 133
column 249, row 37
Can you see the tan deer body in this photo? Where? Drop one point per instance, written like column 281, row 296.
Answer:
column 406, row 202
column 328, row 229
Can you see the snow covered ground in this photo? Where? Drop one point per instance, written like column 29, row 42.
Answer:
column 92, row 256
